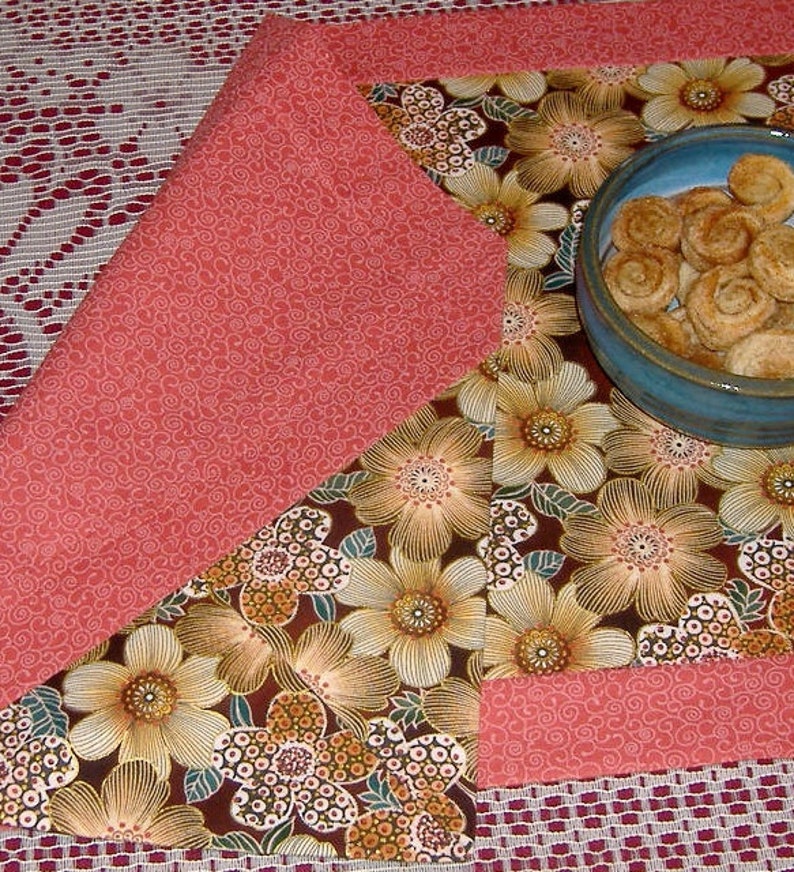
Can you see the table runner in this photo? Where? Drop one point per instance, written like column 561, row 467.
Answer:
column 512, row 511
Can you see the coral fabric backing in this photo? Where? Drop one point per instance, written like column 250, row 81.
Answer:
column 635, row 720
column 204, row 385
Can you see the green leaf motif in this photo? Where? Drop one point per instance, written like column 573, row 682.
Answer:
column 273, row 838
column 47, row 716
column 514, row 491
column 381, row 91
column 487, row 431
column 236, row 841
column 379, row 795
column 435, row 177
column 465, row 102
column 546, row 564
column 336, row 487
column 565, row 256
column 359, row 543
column 557, row 280
column 200, row 784
column 240, row 711
column 503, row 109
column 736, row 537
column 171, row 607
column 324, row 606
column 407, row 709
column 491, row 155
column 556, row 502
column 749, row 602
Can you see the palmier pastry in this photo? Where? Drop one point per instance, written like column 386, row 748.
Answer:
column 698, row 198
column 718, row 235
column 645, row 222
column 665, row 330
column 764, row 183
column 763, row 354
column 687, row 274
column 726, row 304
column 642, row 281
column 771, row 260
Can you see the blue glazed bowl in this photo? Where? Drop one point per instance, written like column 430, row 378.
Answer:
column 716, row 406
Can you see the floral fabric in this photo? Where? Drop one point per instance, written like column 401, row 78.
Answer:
column 316, row 691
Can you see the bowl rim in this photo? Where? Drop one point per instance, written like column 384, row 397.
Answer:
column 589, row 262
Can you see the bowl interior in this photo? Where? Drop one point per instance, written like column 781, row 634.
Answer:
column 682, row 161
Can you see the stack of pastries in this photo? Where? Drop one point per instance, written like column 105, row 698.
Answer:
column 709, row 273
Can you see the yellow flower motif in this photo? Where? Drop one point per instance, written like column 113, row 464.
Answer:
column 453, row 708
column 523, row 87
column 415, row 611
column 293, row 765
column 635, row 553
column 566, row 145
column 130, row 807
column 549, row 425
column 760, row 489
column 539, row 633
column 246, row 652
column 150, row 707
column 325, row 662
column 432, row 136
column 426, row 480
column 529, row 319
column 503, row 206
column 475, row 393
column 671, row 464
column 604, row 87
column 697, row 93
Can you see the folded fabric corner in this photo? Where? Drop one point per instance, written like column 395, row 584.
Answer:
column 277, row 309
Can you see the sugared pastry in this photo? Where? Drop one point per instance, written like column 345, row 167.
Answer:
column 642, row 281
column 718, row 235
column 698, row 198
column 665, row 330
column 771, row 260
column 726, row 304
column 647, row 222
column 763, row 354
column 765, row 183
column 687, row 274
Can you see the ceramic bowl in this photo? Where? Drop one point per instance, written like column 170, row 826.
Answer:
column 715, row 406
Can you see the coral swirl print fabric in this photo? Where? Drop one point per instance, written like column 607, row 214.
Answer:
column 316, row 692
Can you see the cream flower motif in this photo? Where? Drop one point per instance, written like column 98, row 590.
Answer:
column 523, row 87
column 566, row 145
column 503, row 206
column 760, row 490
column 433, row 137
column 529, row 319
column 152, row 707
column 291, row 764
column 635, row 553
column 31, row 766
column 129, row 807
column 453, row 708
column 325, row 662
column 549, row 425
column 475, row 393
column 426, row 825
column 415, row 611
column 671, row 464
column 708, row 628
column 281, row 563
column 538, row 633
column 426, row 480
column 604, row 87
column 246, row 652
column 696, row 93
